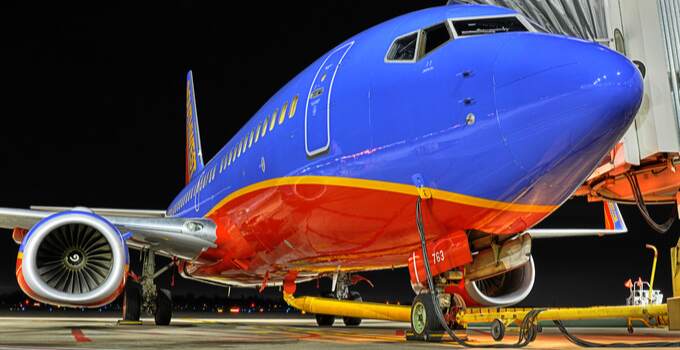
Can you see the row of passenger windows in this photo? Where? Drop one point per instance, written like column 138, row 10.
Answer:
column 206, row 178
column 416, row 45
column 278, row 117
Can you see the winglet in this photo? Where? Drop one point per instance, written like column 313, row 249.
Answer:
column 194, row 155
column 613, row 220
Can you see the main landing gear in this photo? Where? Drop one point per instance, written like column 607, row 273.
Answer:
column 144, row 295
column 342, row 281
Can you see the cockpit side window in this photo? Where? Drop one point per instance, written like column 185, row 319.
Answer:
column 481, row 26
column 435, row 37
column 404, row 48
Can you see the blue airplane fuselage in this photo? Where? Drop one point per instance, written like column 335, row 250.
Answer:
column 501, row 128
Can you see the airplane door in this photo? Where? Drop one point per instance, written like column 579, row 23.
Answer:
column 197, row 201
column 318, row 108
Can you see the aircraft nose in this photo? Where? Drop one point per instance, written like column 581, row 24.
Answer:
column 561, row 100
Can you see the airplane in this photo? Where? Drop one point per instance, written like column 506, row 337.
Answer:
column 467, row 108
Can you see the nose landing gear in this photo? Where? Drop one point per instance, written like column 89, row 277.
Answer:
column 423, row 318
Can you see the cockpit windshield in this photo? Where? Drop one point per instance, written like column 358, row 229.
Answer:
column 480, row 26
column 404, row 48
column 411, row 47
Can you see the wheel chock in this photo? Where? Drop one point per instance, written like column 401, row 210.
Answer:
column 433, row 337
column 129, row 323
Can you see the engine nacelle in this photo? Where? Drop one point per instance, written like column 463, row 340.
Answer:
column 505, row 289
column 73, row 258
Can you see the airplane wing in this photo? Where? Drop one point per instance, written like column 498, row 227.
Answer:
column 173, row 237
column 613, row 221
column 109, row 211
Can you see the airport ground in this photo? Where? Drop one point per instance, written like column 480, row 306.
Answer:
column 196, row 332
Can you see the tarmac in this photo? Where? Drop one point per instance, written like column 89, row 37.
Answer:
column 264, row 332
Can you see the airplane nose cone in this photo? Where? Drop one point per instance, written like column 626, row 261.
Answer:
column 562, row 103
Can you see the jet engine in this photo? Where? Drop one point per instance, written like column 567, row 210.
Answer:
column 499, row 275
column 508, row 288
column 73, row 258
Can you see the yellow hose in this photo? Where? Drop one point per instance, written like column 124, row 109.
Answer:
column 346, row 308
column 402, row 313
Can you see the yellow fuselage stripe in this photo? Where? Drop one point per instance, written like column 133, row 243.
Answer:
column 384, row 186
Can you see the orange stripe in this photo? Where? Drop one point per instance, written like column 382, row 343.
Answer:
column 384, row 186
column 609, row 222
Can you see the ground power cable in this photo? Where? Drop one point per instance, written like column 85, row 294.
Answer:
column 588, row 344
column 527, row 330
column 640, row 202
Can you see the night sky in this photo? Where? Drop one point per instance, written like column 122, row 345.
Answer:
column 93, row 115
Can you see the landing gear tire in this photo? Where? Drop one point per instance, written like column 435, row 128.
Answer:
column 325, row 320
column 353, row 321
column 497, row 330
column 132, row 301
column 423, row 316
column 163, row 313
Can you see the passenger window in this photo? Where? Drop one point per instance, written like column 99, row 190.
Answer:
column 435, row 37
column 273, row 120
column 283, row 113
column 257, row 133
column 264, row 125
column 482, row 26
column 293, row 107
column 252, row 135
column 231, row 154
column 404, row 48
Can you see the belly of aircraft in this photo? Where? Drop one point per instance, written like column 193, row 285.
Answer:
column 324, row 224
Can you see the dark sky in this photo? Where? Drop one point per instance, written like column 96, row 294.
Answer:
column 93, row 104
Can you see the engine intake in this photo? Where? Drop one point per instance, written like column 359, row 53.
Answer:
column 505, row 289
column 498, row 277
column 73, row 259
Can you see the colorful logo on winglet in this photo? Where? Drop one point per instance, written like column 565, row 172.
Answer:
column 191, row 139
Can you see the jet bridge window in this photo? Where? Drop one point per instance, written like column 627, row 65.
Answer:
column 481, row 26
column 435, row 37
column 404, row 48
